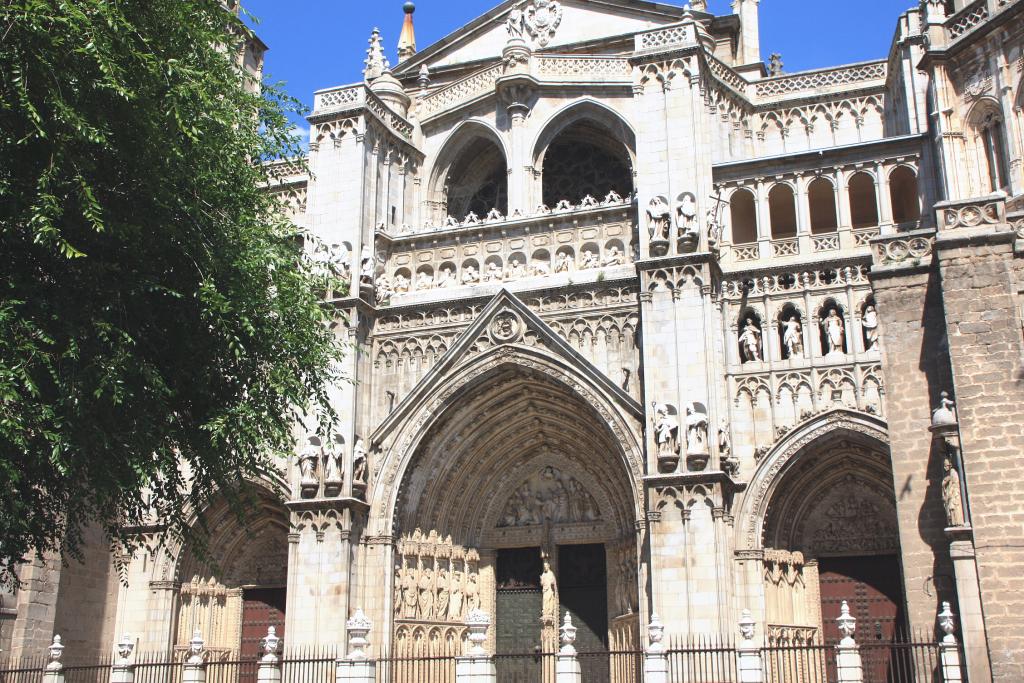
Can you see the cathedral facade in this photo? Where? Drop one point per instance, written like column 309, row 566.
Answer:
column 640, row 324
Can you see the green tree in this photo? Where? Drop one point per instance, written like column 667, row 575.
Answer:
column 160, row 328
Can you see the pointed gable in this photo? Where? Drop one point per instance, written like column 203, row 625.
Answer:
column 507, row 321
column 579, row 21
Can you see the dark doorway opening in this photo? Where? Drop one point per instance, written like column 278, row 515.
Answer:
column 517, row 638
column 261, row 608
column 583, row 593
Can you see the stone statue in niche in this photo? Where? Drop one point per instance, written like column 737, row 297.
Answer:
column 549, row 496
column 493, row 273
column 835, row 331
column 666, row 431
column 659, row 219
column 424, row 280
column 750, row 341
column 470, row 276
column 308, row 459
column 516, row 268
column 589, row 259
column 539, row 268
column 729, row 462
column 472, row 593
column 366, row 268
column 455, row 601
column 686, row 213
column 382, row 288
column 409, row 595
column 443, row 595
column 426, row 596
column 359, row 468
column 447, row 277
column 401, row 284
column 951, row 498
column 870, row 325
column 549, row 593
column 696, row 435
column 333, row 457
column 564, row 263
column 793, row 337
column 615, row 257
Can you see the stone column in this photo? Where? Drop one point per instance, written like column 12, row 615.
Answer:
column 195, row 663
column 269, row 670
column 849, row 667
column 567, row 666
column 54, row 672
column 949, row 651
column 748, row 654
column 123, row 670
column 655, row 658
column 356, row 668
column 477, row 666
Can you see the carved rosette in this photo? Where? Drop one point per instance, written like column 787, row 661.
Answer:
column 506, row 328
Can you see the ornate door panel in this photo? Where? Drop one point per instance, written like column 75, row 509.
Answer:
column 873, row 588
column 518, row 610
column 261, row 608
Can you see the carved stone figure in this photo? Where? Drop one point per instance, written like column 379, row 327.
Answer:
column 333, row 456
column 951, row 498
column 563, row 264
column 443, row 595
column 549, row 496
column 659, row 219
column 447, row 277
column 359, row 467
column 470, row 276
column 366, row 268
column 549, row 593
column 514, row 24
column 516, row 268
column 666, row 431
column 455, row 601
column 540, row 268
column 383, row 289
column 750, row 341
column 687, row 213
column 472, row 593
column 426, row 597
column 409, row 596
column 401, row 284
column 834, row 328
column 493, row 273
column 589, row 259
column 308, row 459
column 696, row 430
column 793, row 337
column 424, row 280
column 615, row 257
column 870, row 324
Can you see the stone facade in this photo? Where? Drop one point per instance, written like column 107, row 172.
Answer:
column 616, row 285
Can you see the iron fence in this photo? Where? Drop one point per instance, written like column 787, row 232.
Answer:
column 702, row 659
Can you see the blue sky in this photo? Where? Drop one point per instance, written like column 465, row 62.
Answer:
column 320, row 43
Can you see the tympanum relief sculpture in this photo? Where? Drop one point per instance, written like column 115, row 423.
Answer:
column 549, row 496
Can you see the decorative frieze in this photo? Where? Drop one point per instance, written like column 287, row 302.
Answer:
column 906, row 248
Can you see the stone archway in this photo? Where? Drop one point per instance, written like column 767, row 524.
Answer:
column 822, row 513
column 517, row 463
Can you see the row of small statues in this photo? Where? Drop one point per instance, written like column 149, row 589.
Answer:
column 832, row 326
column 666, row 430
column 496, row 216
column 426, row 595
column 517, row 268
column 332, row 458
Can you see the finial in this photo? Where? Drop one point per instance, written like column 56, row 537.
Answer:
column 376, row 63
column 945, row 413
column 55, row 651
column 407, row 39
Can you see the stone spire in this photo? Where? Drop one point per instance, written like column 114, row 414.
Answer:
column 407, row 40
column 376, row 63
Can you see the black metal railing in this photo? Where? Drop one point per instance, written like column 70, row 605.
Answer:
column 702, row 659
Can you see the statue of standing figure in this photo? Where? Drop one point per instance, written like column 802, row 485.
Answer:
column 549, row 593
column 951, row 498
column 514, row 24
column 696, row 430
column 666, row 431
column 793, row 337
column 835, row 331
column 750, row 341
column 870, row 325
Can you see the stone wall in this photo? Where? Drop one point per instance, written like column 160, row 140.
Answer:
column 87, row 598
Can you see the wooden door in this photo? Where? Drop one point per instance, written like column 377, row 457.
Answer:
column 261, row 608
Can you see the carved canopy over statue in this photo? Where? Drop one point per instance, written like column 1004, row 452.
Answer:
column 549, row 496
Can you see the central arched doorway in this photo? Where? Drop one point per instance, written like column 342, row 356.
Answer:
column 518, row 470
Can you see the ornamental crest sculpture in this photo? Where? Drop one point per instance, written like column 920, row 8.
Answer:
column 541, row 19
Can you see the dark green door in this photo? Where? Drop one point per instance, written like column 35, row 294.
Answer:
column 583, row 592
column 517, row 638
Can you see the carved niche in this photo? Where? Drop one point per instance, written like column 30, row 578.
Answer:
column 436, row 581
column 549, row 496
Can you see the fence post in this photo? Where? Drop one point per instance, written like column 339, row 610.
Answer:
column 848, row 662
column 356, row 668
column 123, row 671
column 748, row 654
column 54, row 672
column 655, row 658
column 567, row 666
column 195, row 663
column 270, row 664
column 477, row 666
column 949, row 650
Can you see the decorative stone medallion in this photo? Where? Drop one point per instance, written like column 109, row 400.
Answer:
column 506, row 327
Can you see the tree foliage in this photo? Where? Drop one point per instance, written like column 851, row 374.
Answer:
column 160, row 328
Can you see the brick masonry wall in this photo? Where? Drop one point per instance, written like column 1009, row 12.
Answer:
column 984, row 334
column 916, row 369
column 87, row 600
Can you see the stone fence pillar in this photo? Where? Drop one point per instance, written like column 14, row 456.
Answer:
column 54, row 672
column 655, row 658
column 477, row 666
column 848, row 662
column 123, row 670
column 567, row 666
column 356, row 667
column 270, row 664
column 195, row 663
column 748, row 654
column 949, row 650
